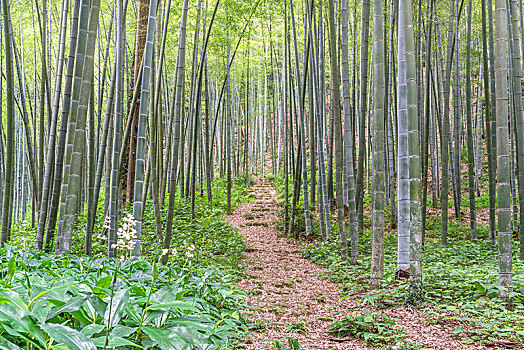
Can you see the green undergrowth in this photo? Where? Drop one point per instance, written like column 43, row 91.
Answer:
column 287, row 343
column 216, row 243
column 126, row 303
column 461, row 279
column 80, row 303
column 240, row 193
column 373, row 328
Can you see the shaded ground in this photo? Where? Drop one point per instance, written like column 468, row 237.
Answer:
column 289, row 299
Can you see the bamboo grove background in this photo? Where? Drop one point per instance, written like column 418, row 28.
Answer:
column 107, row 105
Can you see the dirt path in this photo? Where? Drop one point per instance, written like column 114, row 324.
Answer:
column 287, row 296
column 289, row 299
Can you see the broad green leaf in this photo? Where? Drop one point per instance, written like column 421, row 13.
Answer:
column 92, row 329
column 154, row 272
column 138, row 291
column 134, row 314
column 480, row 287
column 70, row 306
column 194, row 323
column 165, row 339
column 14, row 317
column 163, row 295
column 13, row 298
column 191, row 334
column 54, row 289
column 81, row 316
column 122, row 331
column 98, row 304
column 116, row 307
column 7, row 345
column 102, row 285
column 173, row 304
column 11, row 267
column 104, row 282
column 70, row 337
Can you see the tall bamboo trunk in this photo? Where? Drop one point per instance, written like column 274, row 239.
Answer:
column 338, row 141
column 503, row 173
column 10, row 118
column 471, row 174
column 302, row 122
column 348, row 146
column 140, row 180
column 415, row 251
column 378, row 184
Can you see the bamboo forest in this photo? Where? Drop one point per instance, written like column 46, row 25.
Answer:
column 261, row 174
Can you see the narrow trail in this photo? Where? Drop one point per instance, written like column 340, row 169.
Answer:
column 289, row 299
column 287, row 296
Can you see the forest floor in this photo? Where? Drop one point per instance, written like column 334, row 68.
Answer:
column 289, row 298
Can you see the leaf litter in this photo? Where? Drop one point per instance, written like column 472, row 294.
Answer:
column 289, row 299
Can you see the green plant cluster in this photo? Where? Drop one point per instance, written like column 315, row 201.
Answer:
column 240, row 192
column 372, row 328
column 97, row 302
column 460, row 278
column 292, row 344
column 67, row 302
column 216, row 243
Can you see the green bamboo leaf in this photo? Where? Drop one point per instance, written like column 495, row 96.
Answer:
column 116, row 308
column 92, row 329
column 70, row 337
column 173, row 304
column 154, row 272
column 480, row 287
column 70, row 306
column 123, row 331
column 11, row 267
column 54, row 289
column 165, row 339
column 6, row 344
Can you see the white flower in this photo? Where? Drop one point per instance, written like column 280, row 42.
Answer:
column 130, row 219
column 125, row 235
column 174, row 252
column 122, row 258
column 191, row 247
column 189, row 255
column 107, row 222
column 165, row 251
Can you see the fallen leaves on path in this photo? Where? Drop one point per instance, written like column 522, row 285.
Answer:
column 289, row 299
